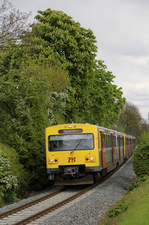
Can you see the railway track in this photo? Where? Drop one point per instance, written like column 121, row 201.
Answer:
column 27, row 205
column 33, row 211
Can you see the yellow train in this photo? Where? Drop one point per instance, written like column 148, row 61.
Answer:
column 76, row 153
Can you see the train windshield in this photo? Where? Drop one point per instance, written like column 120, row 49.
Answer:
column 70, row 142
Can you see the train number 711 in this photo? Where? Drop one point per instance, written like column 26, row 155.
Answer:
column 71, row 159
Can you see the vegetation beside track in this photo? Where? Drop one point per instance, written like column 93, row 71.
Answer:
column 48, row 78
column 12, row 175
column 141, row 156
column 133, row 208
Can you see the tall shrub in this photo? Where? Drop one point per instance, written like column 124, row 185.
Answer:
column 141, row 157
column 27, row 102
column 8, row 181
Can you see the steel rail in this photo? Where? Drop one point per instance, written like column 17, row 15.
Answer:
column 66, row 201
column 56, row 206
column 27, row 205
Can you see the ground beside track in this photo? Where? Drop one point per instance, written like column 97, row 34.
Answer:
column 133, row 208
column 90, row 208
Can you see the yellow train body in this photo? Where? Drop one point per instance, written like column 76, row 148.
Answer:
column 72, row 157
column 75, row 151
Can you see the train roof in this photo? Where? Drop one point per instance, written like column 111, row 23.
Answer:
column 100, row 128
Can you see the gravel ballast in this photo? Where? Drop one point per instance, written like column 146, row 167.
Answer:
column 89, row 209
column 28, row 200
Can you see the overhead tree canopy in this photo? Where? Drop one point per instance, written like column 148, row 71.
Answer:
column 52, row 76
column 12, row 22
column 131, row 122
column 92, row 84
column 105, row 100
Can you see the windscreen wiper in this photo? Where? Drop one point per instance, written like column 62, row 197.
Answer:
column 77, row 145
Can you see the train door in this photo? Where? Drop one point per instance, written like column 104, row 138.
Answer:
column 113, row 147
column 125, row 152
column 99, row 148
column 119, row 148
column 116, row 149
column 103, row 150
column 109, row 150
column 123, row 148
column 128, row 146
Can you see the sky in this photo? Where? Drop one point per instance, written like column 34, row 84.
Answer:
column 121, row 28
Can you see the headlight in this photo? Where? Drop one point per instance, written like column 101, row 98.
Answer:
column 51, row 160
column 91, row 158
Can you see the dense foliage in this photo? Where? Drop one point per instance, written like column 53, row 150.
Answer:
column 105, row 100
column 94, row 98
column 8, row 182
column 52, row 76
column 141, row 157
column 131, row 122
column 12, row 175
column 27, row 107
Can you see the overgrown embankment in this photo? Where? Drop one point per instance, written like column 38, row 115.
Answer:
column 133, row 208
column 12, row 175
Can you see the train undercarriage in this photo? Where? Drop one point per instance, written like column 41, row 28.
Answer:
column 73, row 175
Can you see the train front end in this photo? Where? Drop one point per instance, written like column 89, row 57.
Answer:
column 72, row 153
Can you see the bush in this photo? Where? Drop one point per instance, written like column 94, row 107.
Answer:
column 12, row 175
column 137, row 183
column 117, row 209
column 141, row 157
column 8, row 182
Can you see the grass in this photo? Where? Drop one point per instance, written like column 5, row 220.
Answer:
column 133, row 209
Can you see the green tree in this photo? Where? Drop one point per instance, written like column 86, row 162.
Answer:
column 92, row 85
column 131, row 122
column 76, row 49
column 105, row 99
column 35, row 91
column 27, row 102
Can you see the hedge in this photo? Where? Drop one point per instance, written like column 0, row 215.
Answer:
column 141, row 157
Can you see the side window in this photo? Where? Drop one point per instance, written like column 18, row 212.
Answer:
column 109, row 140
column 113, row 140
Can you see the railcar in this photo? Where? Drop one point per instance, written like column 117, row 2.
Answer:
column 76, row 153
